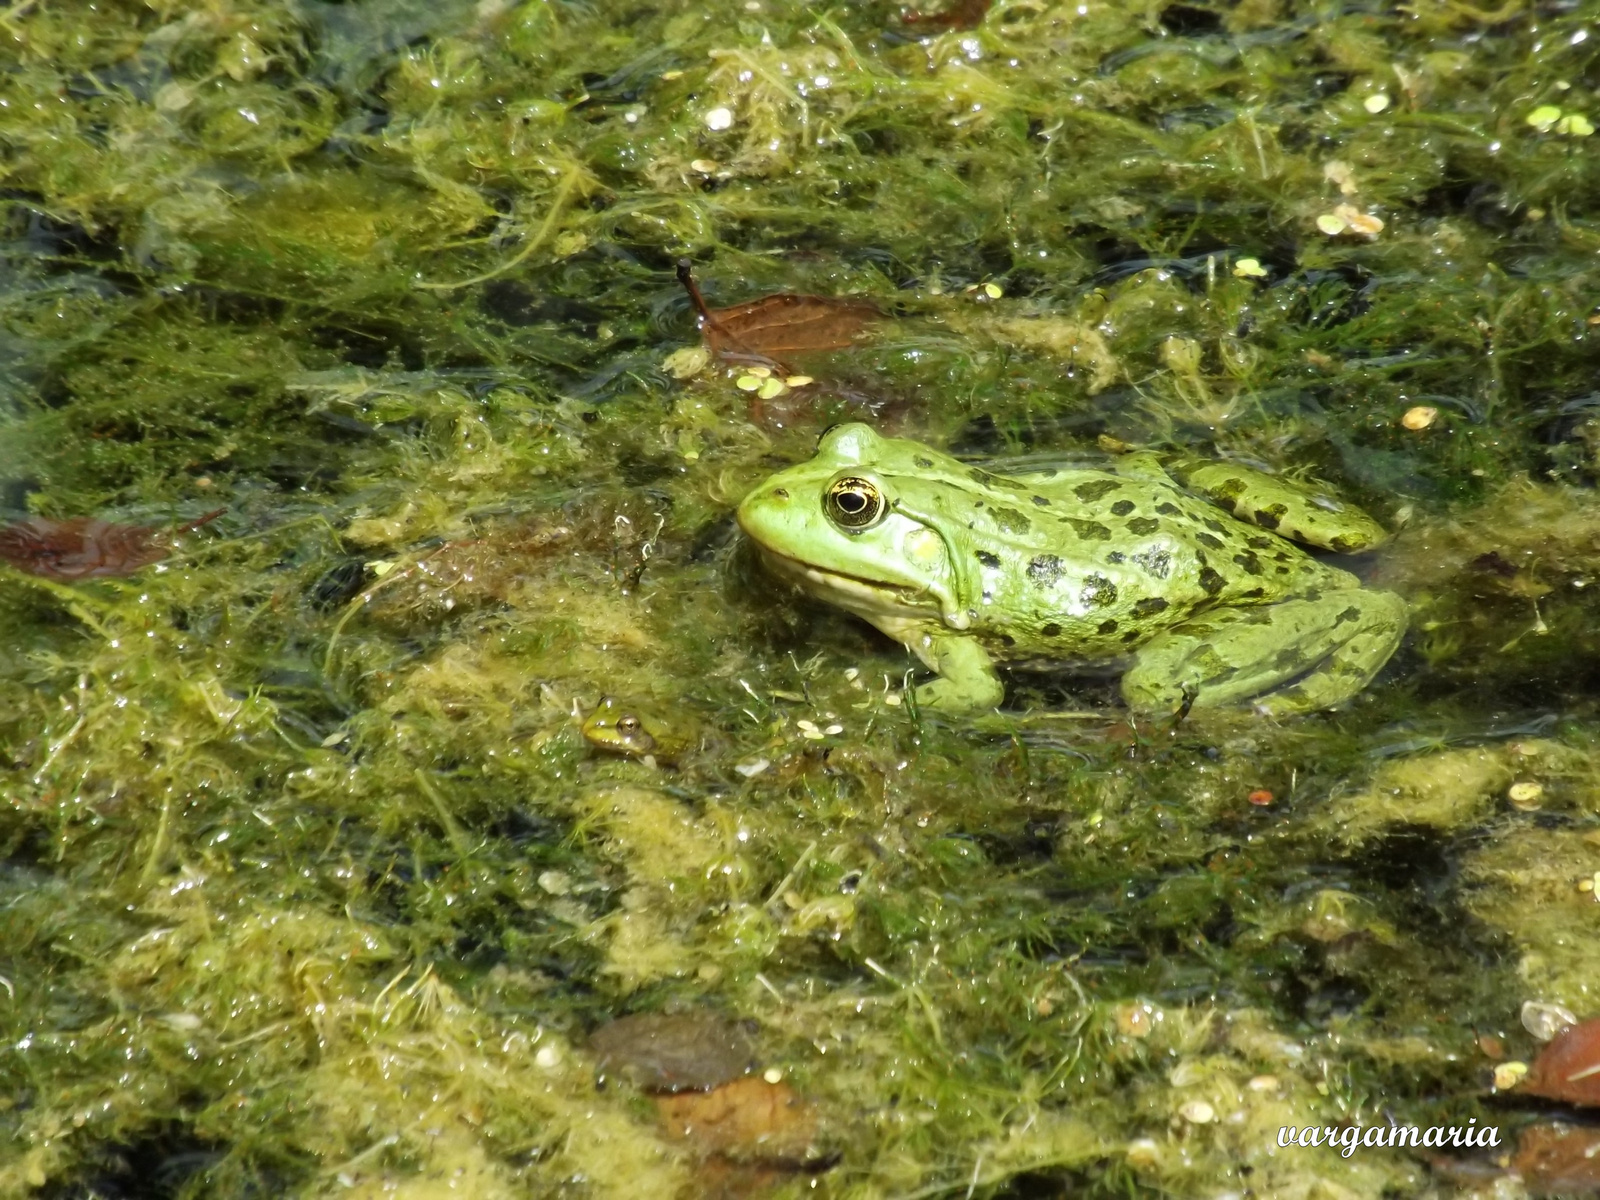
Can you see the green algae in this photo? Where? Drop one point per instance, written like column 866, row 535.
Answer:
column 310, row 884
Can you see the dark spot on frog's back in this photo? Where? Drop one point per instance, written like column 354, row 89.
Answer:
column 1096, row 489
column 978, row 475
column 1149, row 606
column 1209, row 542
column 923, row 462
column 1228, row 490
column 989, row 560
column 1122, row 508
column 1050, row 630
column 1214, row 525
column 1211, row 583
column 1098, row 591
column 1168, row 509
column 1249, row 563
column 1270, row 517
column 1042, row 501
column 1010, row 520
column 1143, row 526
column 1157, row 562
column 1044, row 570
column 1107, row 627
column 1090, row 531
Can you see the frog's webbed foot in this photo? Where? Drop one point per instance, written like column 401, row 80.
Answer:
column 967, row 679
column 1293, row 656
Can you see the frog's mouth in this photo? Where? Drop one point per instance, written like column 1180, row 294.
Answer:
column 864, row 597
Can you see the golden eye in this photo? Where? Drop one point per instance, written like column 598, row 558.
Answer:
column 629, row 725
column 853, row 502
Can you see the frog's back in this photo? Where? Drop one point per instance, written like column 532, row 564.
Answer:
column 1092, row 563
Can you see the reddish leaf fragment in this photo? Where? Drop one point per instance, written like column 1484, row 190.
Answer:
column 1568, row 1068
column 87, row 547
column 748, row 1120
column 1559, row 1160
column 962, row 14
column 766, row 330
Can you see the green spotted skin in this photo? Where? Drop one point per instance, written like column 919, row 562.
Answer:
column 967, row 568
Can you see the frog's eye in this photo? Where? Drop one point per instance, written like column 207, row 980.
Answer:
column 853, row 502
column 629, row 725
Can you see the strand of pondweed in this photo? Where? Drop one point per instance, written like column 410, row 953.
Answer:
column 574, row 177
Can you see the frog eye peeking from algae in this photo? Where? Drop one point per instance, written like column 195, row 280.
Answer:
column 633, row 732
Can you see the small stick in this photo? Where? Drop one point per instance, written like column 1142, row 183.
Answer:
column 686, row 277
column 738, row 351
column 205, row 520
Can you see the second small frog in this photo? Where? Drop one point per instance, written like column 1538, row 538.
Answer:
column 1183, row 566
column 616, row 727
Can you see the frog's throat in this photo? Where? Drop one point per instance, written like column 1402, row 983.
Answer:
column 867, row 598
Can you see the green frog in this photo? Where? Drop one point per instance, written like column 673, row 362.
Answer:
column 1182, row 567
column 626, row 729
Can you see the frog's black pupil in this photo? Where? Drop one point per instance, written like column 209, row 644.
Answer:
column 853, row 503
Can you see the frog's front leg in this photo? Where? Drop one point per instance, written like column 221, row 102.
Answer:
column 1297, row 655
column 967, row 678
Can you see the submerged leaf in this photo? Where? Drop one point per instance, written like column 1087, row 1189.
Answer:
column 1568, row 1069
column 87, row 547
column 671, row 1052
column 1559, row 1160
column 962, row 14
column 787, row 323
column 748, row 1120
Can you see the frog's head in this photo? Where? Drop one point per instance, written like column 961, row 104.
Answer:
column 835, row 526
column 618, row 729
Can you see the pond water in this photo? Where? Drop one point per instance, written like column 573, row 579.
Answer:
column 357, row 438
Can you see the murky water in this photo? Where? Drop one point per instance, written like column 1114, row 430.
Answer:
column 313, row 884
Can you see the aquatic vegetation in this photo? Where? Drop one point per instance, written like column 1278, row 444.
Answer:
column 311, row 882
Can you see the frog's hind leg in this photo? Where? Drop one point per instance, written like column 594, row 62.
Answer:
column 1293, row 656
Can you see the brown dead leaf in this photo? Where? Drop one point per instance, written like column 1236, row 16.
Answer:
column 962, row 14
column 1568, row 1068
column 716, row 1178
column 768, row 330
column 748, row 1120
column 1559, row 1160
column 87, row 547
